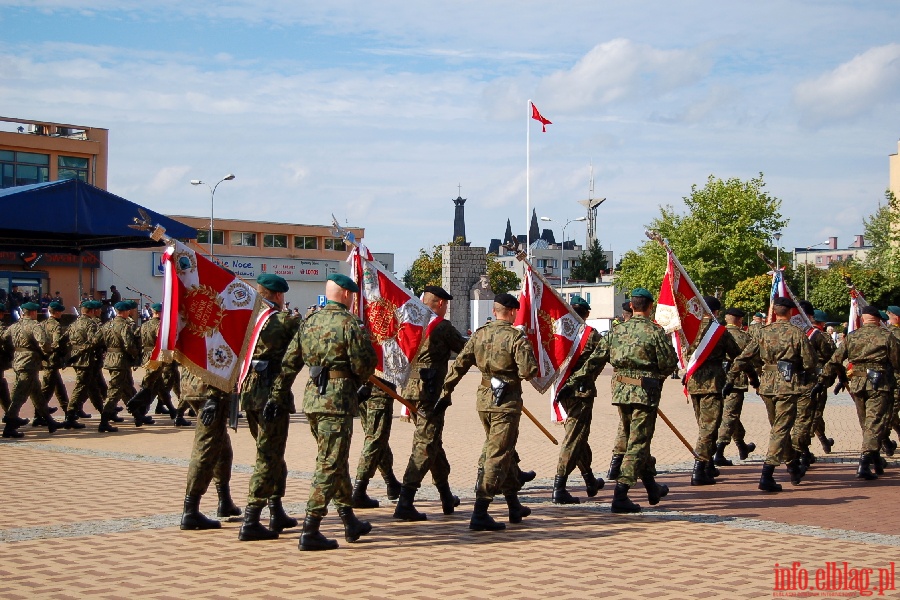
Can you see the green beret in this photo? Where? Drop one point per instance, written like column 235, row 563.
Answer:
column 122, row 306
column 56, row 306
column 578, row 300
column 156, row 307
column 94, row 304
column 132, row 304
column 272, row 282
column 641, row 293
column 345, row 282
column 870, row 310
column 820, row 316
column 883, row 315
column 894, row 310
column 759, row 315
column 31, row 306
column 86, row 303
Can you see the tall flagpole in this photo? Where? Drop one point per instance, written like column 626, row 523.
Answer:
column 528, row 180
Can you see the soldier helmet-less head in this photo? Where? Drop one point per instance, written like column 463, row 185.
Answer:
column 122, row 306
column 735, row 312
column 641, row 293
column 273, row 283
column 806, row 306
column 94, row 304
column 712, row 302
column 883, row 315
column 86, row 303
column 820, row 316
column 436, row 290
column 56, row 306
column 345, row 282
column 156, row 307
column 871, row 311
column 759, row 315
column 31, row 306
column 894, row 310
column 785, row 302
column 507, row 300
column 579, row 301
column 626, row 307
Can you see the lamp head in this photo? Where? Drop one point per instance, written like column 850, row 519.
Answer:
column 196, row 182
column 228, row 177
column 546, row 219
column 580, row 219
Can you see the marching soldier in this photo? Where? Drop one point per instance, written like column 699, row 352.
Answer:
column 577, row 399
column 788, row 364
column 504, row 356
column 643, row 357
column 376, row 411
column 801, row 435
column 759, row 321
column 874, row 353
column 731, row 426
column 269, row 429
column 152, row 385
column 122, row 353
column 6, row 361
column 52, row 382
column 818, row 421
column 894, row 418
column 424, row 388
column 340, row 356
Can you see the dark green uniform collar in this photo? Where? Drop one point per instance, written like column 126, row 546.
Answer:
column 327, row 302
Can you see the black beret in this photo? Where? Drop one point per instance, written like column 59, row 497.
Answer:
column 870, row 310
column 626, row 307
column 784, row 301
column 735, row 312
column 507, row 300
column 807, row 307
column 712, row 302
column 438, row 291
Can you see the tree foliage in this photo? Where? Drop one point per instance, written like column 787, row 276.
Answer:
column 751, row 294
column 882, row 231
column 716, row 240
column 502, row 279
column 591, row 263
column 830, row 293
column 428, row 268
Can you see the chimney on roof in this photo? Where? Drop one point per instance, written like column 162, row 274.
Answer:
column 859, row 242
column 832, row 243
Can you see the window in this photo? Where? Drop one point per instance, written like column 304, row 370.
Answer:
column 306, row 242
column 335, row 244
column 239, row 238
column 818, row 260
column 23, row 168
column 203, row 236
column 73, row 167
column 273, row 240
column 542, row 263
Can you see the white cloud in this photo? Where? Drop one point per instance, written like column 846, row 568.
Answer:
column 168, row 178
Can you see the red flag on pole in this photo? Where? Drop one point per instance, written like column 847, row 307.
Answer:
column 537, row 116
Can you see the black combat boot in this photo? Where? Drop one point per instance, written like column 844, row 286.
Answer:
column 591, row 483
column 180, row 421
column 796, row 470
column 560, row 494
column 615, row 466
column 117, row 419
column 393, row 486
column 405, row 511
column 888, row 446
column 192, row 518
column 83, row 415
column 878, row 462
column 359, row 498
column 71, row 421
column 227, row 507
column 311, row 539
column 517, row 512
column 105, row 427
column 711, row 470
column 16, row 421
column 719, row 458
column 865, row 468
column 278, row 519
column 655, row 491
column 621, row 503
column 767, row 481
column 139, row 404
column 481, row 520
column 699, row 476
column 826, row 442
column 353, row 527
column 38, row 421
column 525, row 477
column 448, row 500
column 744, row 450
column 11, row 430
column 251, row 529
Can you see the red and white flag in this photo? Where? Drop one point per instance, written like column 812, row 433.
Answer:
column 680, row 310
column 780, row 289
column 537, row 116
column 556, row 333
column 210, row 318
column 857, row 303
column 397, row 320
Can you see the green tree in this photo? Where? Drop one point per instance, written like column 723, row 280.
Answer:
column 591, row 263
column 716, row 240
column 428, row 268
column 502, row 279
column 882, row 231
column 751, row 294
column 830, row 291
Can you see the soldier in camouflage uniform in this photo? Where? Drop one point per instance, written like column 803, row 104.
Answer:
column 56, row 360
column 705, row 388
column 269, row 479
column 759, row 321
column 6, row 360
column 618, row 453
column 376, row 413
column 341, row 357
column 731, row 426
column 31, row 346
column 801, row 434
column 577, row 399
column 84, row 338
column 211, row 455
column 429, row 368
column 123, row 352
column 504, row 356
column 894, row 419
column 788, row 368
column 152, row 385
column 643, row 357
column 874, row 353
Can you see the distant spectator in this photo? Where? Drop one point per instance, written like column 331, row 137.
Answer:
column 114, row 295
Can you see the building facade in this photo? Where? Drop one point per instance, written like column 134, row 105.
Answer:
column 823, row 257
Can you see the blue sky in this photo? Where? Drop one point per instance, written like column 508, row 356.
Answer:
column 377, row 111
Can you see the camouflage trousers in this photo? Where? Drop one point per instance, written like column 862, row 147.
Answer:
column 621, row 443
column 121, row 387
column 5, row 400
column 331, row 480
column 428, row 448
column 806, row 413
column 269, row 479
column 817, row 427
column 872, row 410
column 52, row 383
column 376, row 415
column 708, row 412
column 211, row 455
column 781, row 410
column 638, row 424
column 498, row 466
column 27, row 385
column 731, row 427
column 894, row 420
column 575, row 450
column 86, row 387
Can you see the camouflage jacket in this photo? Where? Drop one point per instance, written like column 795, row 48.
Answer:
column 586, row 385
column 434, row 354
column 30, row 344
column 754, row 329
column 6, row 349
column 84, row 336
column 709, row 377
column 149, row 333
column 824, row 347
column 59, row 344
column 783, row 342
column 869, row 348
column 123, row 349
column 741, row 338
column 268, row 353
column 332, row 337
column 194, row 389
column 498, row 350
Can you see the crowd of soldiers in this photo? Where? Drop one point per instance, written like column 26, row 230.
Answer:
column 791, row 369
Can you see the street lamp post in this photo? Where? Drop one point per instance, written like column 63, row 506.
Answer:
column 806, row 267
column 562, row 246
column 212, row 204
